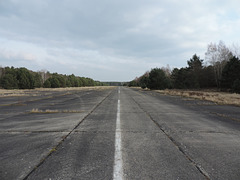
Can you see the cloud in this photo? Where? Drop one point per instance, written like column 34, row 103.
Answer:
column 8, row 54
column 107, row 37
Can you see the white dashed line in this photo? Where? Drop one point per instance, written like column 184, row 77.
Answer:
column 117, row 170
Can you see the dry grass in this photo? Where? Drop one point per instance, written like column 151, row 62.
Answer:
column 75, row 88
column 14, row 92
column 217, row 97
column 48, row 111
column 47, row 91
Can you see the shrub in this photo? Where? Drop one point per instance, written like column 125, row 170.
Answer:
column 236, row 86
column 158, row 79
column 47, row 84
column 9, row 82
column 230, row 73
column 54, row 82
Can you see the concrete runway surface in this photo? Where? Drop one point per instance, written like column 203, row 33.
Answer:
column 118, row 133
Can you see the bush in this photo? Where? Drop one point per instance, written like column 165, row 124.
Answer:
column 236, row 86
column 144, row 80
column 25, row 79
column 230, row 73
column 54, row 82
column 133, row 83
column 158, row 79
column 37, row 80
column 9, row 82
column 47, row 84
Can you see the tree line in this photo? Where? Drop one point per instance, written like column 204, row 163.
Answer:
column 22, row 78
column 222, row 71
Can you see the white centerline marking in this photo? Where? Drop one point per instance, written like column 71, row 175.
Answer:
column 117, row 170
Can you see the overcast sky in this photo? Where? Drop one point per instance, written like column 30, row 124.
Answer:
column 112, row 40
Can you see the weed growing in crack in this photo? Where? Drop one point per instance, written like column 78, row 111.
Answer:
column 33, row 111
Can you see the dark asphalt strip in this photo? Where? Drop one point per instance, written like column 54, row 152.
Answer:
column 39, row 99
column 199, row 168
column 63, row 139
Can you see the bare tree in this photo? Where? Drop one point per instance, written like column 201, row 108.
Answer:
column 218, row 56
column 44, row 74
column 167, row 70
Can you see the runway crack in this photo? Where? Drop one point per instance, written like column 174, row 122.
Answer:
column 176, row 144
column 65, row 137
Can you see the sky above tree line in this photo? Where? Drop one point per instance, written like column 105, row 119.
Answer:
column 112, row 40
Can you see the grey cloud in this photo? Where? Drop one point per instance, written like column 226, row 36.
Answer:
column 106, row 33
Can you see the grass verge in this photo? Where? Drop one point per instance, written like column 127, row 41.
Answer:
column 47, row 91
column 216, row 97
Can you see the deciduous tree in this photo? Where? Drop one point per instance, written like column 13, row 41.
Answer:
column 218, row 56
